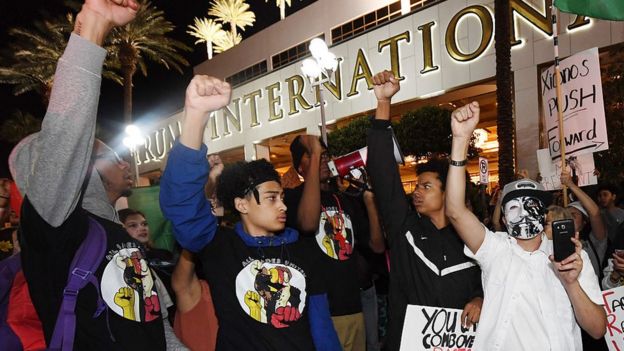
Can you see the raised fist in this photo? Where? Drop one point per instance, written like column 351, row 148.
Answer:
column 386, row 85
column 116, row 12
column 206, row 94
column 284, row 314
column 464, row 120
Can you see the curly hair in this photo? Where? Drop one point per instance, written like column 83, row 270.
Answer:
column 241, row 179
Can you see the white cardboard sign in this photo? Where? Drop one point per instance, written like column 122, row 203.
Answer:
column 550, row 170
column 584, row 124
column 435, row 328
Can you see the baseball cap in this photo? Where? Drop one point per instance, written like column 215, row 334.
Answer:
column 579, row 206
column 526, row 187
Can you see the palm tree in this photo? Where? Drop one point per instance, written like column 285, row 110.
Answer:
column 505, row 122
column 144, row 38
column 33, row 54
column 282, row 6
column 227, row 41
column 207, row 31
column 17, row 126
column 234, row 12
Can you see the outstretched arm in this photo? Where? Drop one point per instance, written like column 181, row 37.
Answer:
column 182, row 197
column 463, row 122
column 309, row 210
column 53, row 165
column 595, row 218
column 377, row 243
column 380, row 165
column 185, row 283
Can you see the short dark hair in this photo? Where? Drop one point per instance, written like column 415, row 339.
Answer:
column 610, row 187
column 241, row 178
column 437, row 165
column 127, row 212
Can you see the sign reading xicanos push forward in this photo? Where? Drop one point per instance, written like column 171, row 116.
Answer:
column 584, row 124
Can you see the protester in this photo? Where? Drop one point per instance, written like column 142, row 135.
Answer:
column 588, row 223
column 68, row 177
column 554, row 213
column 267, row 294
column 531, row 301
column 613, row 215
column 427, row 264
column 319, row 210
column 136, row 225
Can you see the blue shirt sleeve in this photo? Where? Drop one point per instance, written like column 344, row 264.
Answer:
column 322, row 328
column 182, row 198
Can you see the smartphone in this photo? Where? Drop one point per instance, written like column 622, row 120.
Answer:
column 619, row 252
column 563, row 231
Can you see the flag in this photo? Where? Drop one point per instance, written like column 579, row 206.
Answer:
column 604, row 9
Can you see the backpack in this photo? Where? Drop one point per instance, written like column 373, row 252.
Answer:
column 20, row 328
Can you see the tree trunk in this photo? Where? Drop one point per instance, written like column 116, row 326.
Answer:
column 128, row 56
column 283, row 9
column 209, row 49
column 505, row 122
column 233, row 29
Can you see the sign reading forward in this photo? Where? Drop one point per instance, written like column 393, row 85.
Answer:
column 584, row 125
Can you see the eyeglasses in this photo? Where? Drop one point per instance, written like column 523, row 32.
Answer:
column 110, row 156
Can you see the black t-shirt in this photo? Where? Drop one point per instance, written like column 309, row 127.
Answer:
column 126, row 283
column 261, row 294
column 335, row 247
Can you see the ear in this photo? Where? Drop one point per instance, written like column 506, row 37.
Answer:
column 241, row 205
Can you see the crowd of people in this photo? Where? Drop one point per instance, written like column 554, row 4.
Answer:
column 299, row 270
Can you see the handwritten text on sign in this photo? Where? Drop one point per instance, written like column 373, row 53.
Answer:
column 614, row 306
column 585, row 130
column 435, row 328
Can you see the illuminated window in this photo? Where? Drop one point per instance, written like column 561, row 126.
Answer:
column 373, row 19
column 292, row 54
column 247, row 74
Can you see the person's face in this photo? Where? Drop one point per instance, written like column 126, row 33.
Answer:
column 269, row 216
column 428, row 198
column 524, row 217
column 605, row 198
column 324, row 173
column 548, row 225
column 114, row 171
column 137, row 227
column 577, row 216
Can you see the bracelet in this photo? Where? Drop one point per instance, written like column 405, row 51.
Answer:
column 458, row 163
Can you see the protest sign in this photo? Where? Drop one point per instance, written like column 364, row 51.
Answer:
column 484, row 172
column 436, row 329
column 584, row 124
column 614, row 306
column 550, row 171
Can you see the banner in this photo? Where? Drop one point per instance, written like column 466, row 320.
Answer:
column 145, row 199
column 484, row 172
column 603, row 9
column 614, row 306
column 584, row 124
column 550, row 170
column 435, row 328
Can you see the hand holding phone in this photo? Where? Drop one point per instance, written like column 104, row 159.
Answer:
column 563, row 232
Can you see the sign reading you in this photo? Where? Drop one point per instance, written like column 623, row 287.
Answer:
column 436, row 329
column 584, row 125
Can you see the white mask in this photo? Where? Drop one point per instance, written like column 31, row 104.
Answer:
column 524, row 217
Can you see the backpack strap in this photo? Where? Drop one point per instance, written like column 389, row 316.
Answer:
column 81, row 272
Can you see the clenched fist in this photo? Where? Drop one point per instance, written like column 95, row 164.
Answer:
column 464, row 120
column 386, row 85
column 206, row 94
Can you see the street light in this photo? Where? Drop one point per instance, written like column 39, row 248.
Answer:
column 322, row 63
column 133, row 139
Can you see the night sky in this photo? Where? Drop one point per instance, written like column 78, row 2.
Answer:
column 160, row 93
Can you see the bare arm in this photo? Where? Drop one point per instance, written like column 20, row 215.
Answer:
column 309, row 211
column 185, row 283
column 377, row 242
column 593, row 211
column 463, row 122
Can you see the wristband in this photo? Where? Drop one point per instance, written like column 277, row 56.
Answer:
column 458, row 163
